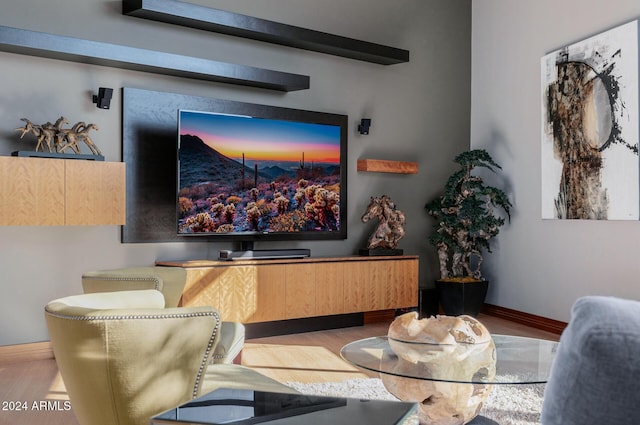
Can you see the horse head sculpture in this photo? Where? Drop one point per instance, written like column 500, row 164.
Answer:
column 391, row 223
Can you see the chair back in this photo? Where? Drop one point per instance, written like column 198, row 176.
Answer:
column 124, row 358
column 168, row 280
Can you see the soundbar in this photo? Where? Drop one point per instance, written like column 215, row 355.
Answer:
column 263, row 254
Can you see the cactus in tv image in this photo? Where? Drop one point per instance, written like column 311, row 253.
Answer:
column 225, row 228
column 233, row 200
column 282, row 203
column 253, row 215
column 201, row 222
column 322, row 207
column 229, row 213
column 300, row 195
column 290, row 222
column 290, row 206
column 305, row 198
column 217, row 209
column 185, row 205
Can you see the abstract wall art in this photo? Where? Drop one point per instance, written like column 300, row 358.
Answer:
column 590, row 166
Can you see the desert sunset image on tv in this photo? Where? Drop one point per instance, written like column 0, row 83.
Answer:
column 241, row 174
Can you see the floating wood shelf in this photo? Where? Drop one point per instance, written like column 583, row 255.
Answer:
column 384, row 166
column 15, row 40
column 223, row 22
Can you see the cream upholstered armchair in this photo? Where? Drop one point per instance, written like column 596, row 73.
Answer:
column 125, row 358
column 170, row 281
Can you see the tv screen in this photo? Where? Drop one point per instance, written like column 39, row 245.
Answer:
column 250, row 177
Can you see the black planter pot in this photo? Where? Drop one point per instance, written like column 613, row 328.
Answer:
column 458, row 298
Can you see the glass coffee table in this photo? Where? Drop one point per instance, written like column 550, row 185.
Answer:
column 450, row 382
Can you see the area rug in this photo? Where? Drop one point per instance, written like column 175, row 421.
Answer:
column 507, row 404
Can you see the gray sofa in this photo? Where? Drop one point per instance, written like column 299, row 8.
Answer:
column 595, row 378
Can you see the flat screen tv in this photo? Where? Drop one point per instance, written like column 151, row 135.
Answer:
column 269, row 177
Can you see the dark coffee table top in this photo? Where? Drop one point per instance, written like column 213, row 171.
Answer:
column 233, row 406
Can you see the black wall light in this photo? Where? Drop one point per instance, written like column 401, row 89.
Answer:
column 103, row 98
column 363, row 127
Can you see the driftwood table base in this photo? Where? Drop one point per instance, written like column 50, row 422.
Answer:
column 441, row 403
column 445, row 351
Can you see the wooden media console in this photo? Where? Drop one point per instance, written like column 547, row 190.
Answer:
column 251, row 291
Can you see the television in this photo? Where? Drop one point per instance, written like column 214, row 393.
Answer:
column 279, row 175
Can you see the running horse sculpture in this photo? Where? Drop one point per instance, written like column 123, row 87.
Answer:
column 57, row 139
column 384, row 240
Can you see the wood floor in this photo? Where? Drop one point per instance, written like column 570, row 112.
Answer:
column 306, row 357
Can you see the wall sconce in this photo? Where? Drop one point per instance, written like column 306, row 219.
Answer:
column 363, row 127
column 103, row 98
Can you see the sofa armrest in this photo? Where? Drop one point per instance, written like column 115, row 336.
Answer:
column 595, row 377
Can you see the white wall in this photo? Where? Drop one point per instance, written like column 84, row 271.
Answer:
column 420, row 112
column 541, row 266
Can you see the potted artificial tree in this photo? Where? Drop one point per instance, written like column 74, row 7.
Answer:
column 465, row 221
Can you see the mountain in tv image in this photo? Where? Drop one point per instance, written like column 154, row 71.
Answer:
column 218, row 194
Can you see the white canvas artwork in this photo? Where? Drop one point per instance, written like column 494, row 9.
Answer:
column 590, row 167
